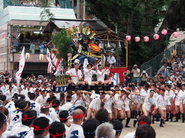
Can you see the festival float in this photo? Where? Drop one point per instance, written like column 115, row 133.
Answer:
column 75, row 44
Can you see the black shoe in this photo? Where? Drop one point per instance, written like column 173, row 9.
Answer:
column 135, row 114
column 153, row 122
column 161, row 123
column 127, row 122
column 153, row 118
column 171, row 117
column 134, row 123
column 179, row 115
column 183, row 118
column 132, row 116
column 127, row 126
column 157, row 118
column 176, row 118
column 167, row 116
column 166, row 119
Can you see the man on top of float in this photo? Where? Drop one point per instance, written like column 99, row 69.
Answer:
column 76, row 75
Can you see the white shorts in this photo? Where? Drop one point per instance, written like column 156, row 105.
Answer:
column 127, row 108
column 118, row 107
column 148, row 107
column 122, row 106
column 101, row 81
column 141, row 100
column 136, row 100
column 163, row 108
column 89, row 81
column 178, row 103
column 109, row 110
column 171, row 100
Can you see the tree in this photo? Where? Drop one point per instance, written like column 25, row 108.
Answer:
column 139, row 18
column 62, row 43
column 46, row 14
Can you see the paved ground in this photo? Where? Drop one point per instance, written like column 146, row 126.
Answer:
column 170, row 130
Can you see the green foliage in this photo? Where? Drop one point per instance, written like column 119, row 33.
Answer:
column 46, row 14
column 133, row 17
column 62, row 42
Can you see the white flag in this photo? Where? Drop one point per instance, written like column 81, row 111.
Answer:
column 21, row 67
column 85, row 63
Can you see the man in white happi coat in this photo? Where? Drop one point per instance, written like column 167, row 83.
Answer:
column 100, row 73
column 76, row 76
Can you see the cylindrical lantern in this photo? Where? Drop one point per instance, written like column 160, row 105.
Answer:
column 41, row 57
column 156, row 36
column 108, row 44
column 164, row 32
column 27, row 55
column 146, row 38
column 128, row 37
column 137, row 38
column 100, row 45
column 119, row 44
column 175, row 34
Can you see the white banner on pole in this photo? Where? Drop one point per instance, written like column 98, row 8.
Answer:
column 21, row 67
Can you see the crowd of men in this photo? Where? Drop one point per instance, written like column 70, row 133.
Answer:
column 33, row 109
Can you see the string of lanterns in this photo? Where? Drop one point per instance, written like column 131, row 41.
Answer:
column 155, row 36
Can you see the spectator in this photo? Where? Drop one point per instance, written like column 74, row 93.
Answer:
column 145, row 131
column 128, row 77
column 105, row 130
column 26, row 3
column 7, row 76
column 32, row 48
column 181, row 70
column 106, row 59
column 111, row 59
column 164, row 72
column 89, row 128
column 144, row 77
column 183, row 47
column 32, row 3
column 41, row 47
column 37, row 5
column 136, row 74
column 181, row 61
